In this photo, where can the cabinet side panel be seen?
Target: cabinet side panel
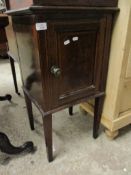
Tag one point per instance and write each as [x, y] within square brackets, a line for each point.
[26, 36]
[12, 44]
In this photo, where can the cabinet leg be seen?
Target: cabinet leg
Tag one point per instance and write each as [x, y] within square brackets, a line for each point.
[111, 134]
[97, 115]
[47, 124]
[71, 110]
[29, 110]
[14, 75]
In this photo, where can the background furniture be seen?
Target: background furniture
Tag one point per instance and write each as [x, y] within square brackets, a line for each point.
[5, 145]
[8, 148]
[117, 107]
[12, 52]
[3, 40]
[5, 46]
[63, 48]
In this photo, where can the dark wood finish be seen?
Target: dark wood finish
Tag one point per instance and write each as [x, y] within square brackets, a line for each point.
[14, 74]
[97, 115]
[3, 38]
[14, 4]
[7, 4]
[67, 62]
[47, 124]
[79, 56]
[30, 112]
[3, 23]
[71, 110]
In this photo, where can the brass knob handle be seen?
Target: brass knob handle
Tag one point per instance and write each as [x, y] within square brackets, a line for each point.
[56, 71]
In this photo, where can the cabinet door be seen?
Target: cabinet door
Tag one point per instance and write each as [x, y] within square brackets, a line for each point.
[75, 53]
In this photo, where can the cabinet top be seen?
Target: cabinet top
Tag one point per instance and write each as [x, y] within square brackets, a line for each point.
[17, 4]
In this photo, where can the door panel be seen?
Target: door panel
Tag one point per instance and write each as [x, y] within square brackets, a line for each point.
[75, 50]
[76, 71]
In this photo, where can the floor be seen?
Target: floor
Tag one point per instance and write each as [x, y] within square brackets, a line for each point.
[75, 151]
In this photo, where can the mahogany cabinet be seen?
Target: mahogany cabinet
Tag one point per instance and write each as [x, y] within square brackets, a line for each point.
[63, 55]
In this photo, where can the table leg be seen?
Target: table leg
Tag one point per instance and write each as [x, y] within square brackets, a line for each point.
[14, 74]
[97, 115]
[30, 112]
[71, 110]
[47, 124]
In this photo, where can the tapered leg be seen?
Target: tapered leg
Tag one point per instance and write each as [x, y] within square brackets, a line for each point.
[97, 115]
[30, 112]
[47, 123]
[14, 74]
[71, 110]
